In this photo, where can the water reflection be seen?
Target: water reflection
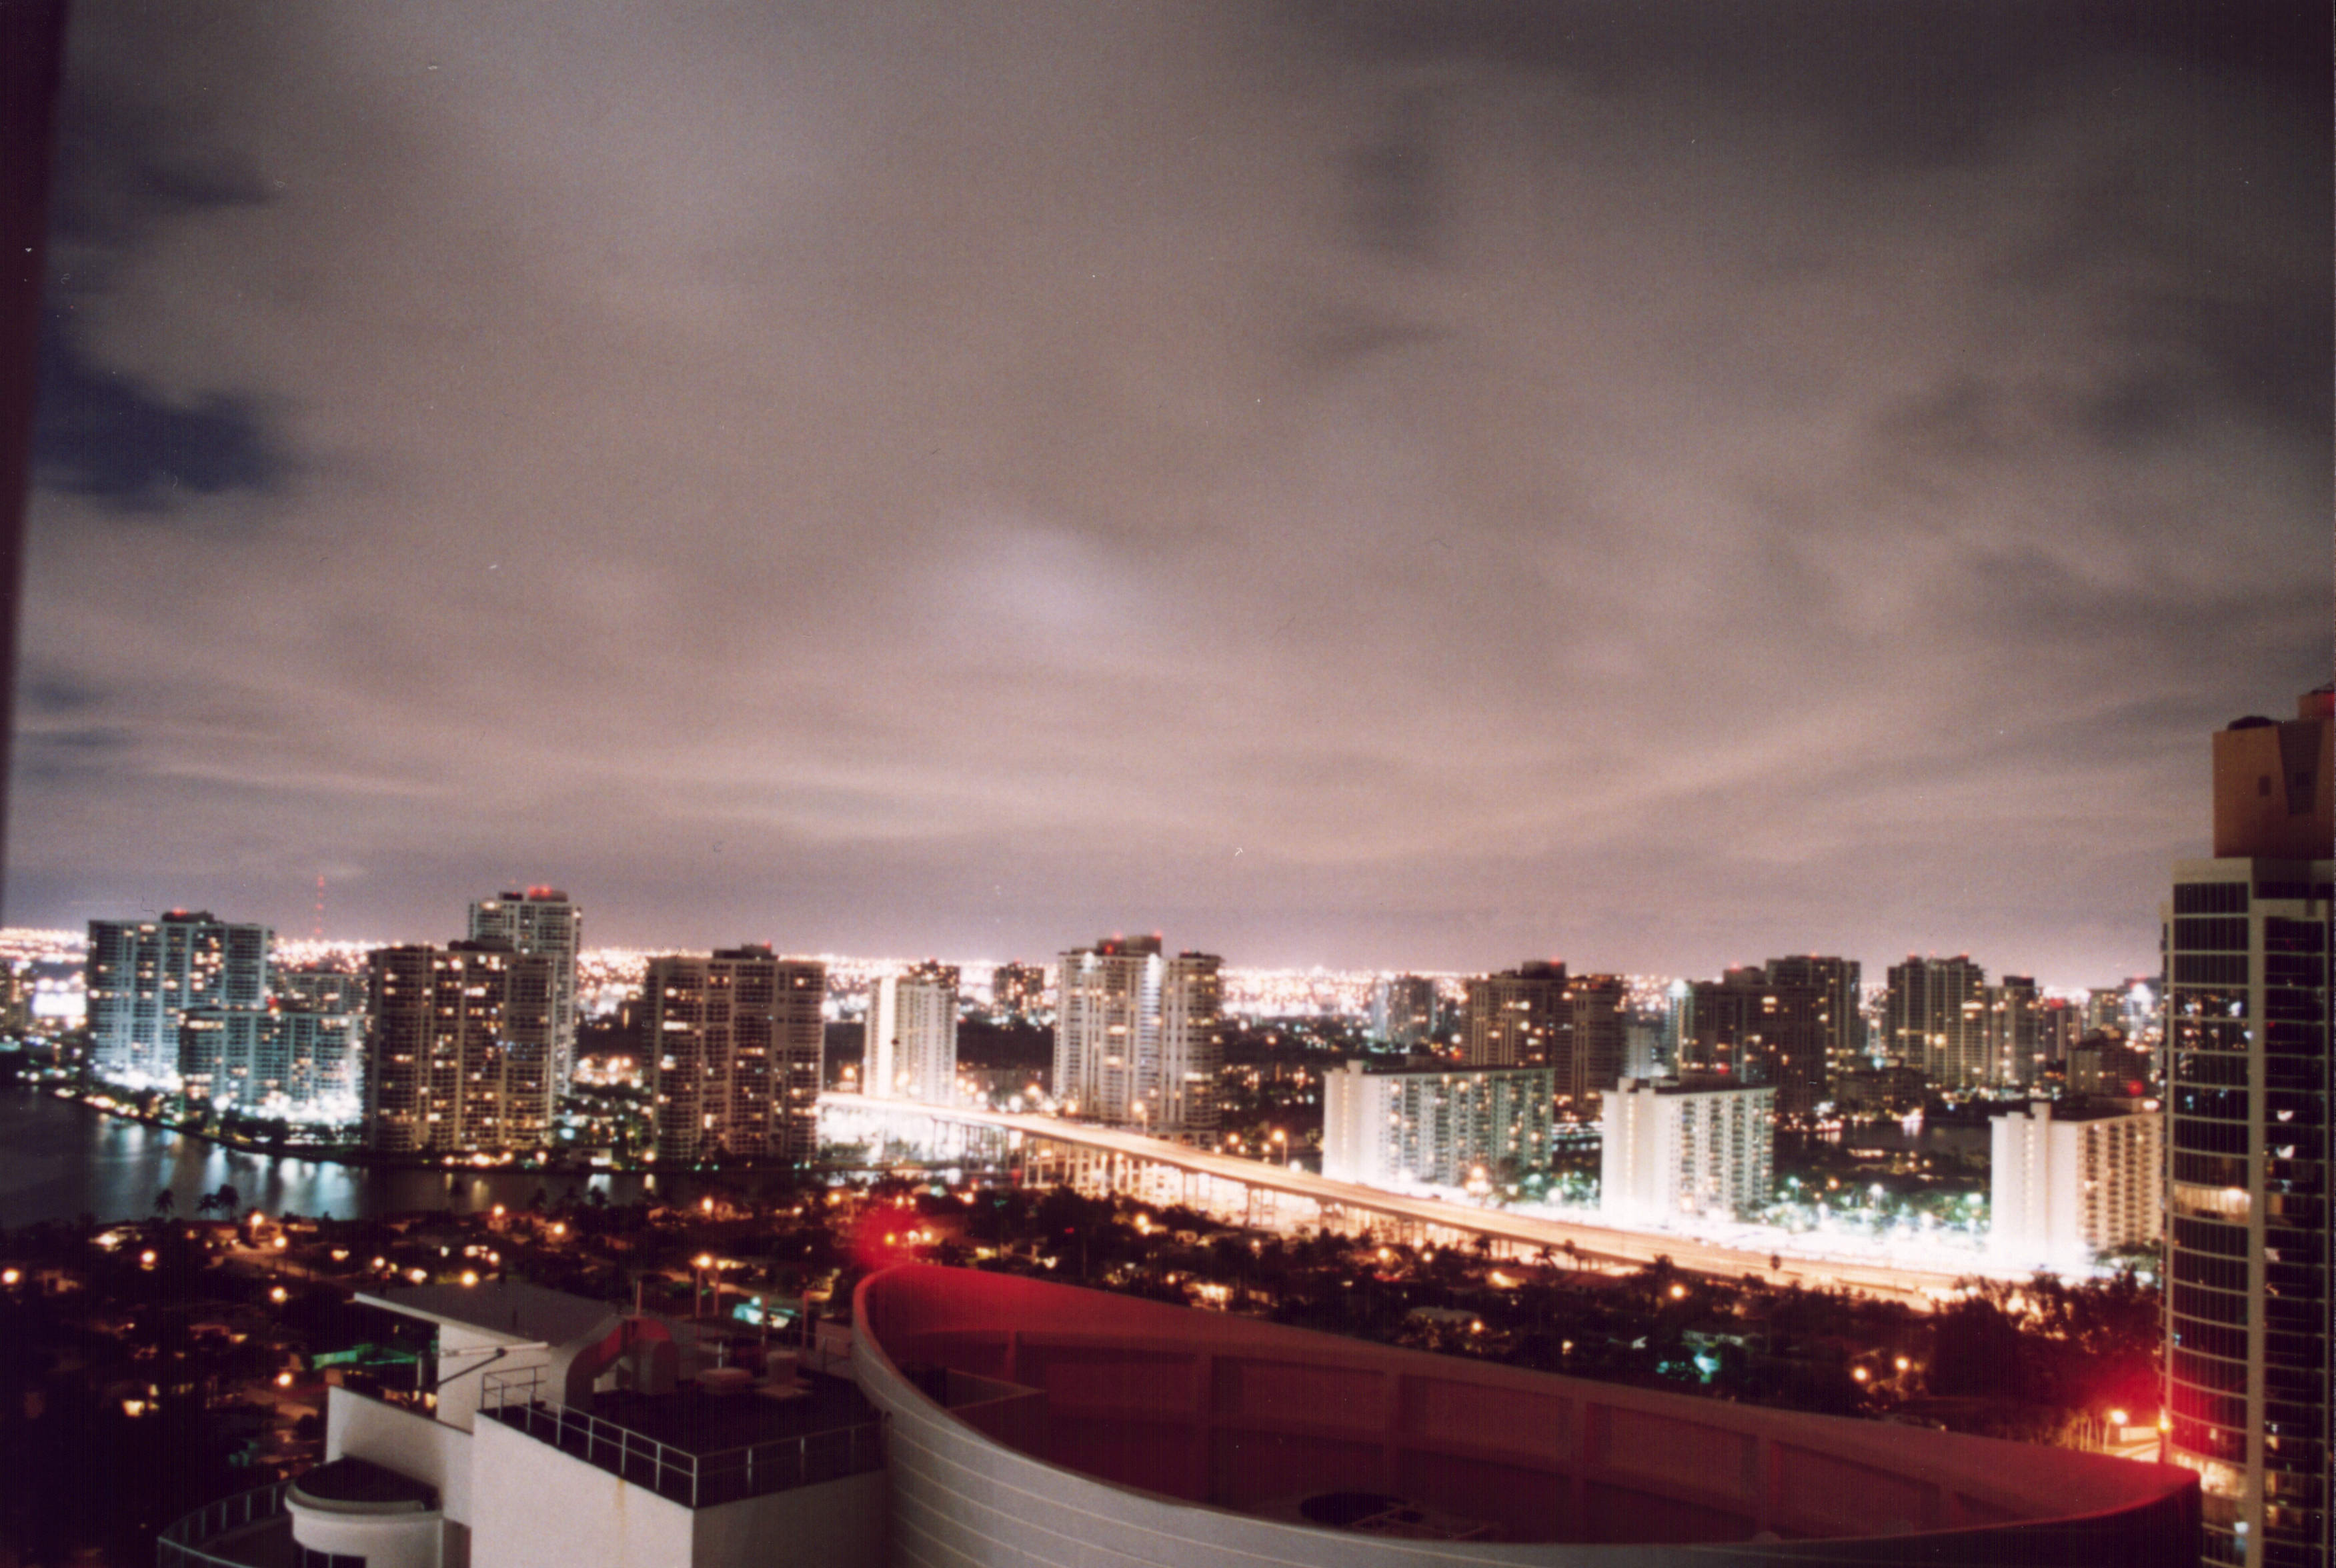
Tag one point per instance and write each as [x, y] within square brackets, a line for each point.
[59, 1160]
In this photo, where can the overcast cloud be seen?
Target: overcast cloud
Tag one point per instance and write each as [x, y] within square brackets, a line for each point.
[1402, 486]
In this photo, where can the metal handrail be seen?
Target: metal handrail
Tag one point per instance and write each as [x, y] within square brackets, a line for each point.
[178, 1548]
[696, 1480]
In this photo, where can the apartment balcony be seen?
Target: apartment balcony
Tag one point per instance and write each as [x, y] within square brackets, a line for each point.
[249, 1530]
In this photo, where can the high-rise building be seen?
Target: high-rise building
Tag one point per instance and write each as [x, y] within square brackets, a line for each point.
[1434, 1126]
[2059, 1024]
[1936, 1018]
[911, 1035]
[735, 1043]
[1018, 991]
[1764, 1033]
[2071, 1182]
[542, 922]
[295, 1060]
[1685, 1146]
[297, 1057]
[1139, 1037]
[1593, 1044]
[458, 1053]
[2104, 1066]
[1403, 1011]
[1837, 981]
[2249, 1347]
[1514, 1018]
[2013, 1053]
[141, 976]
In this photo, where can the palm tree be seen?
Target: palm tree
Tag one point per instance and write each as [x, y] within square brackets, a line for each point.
[166, 1204]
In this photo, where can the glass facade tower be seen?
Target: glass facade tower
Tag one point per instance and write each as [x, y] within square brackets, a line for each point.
[2248, 1289]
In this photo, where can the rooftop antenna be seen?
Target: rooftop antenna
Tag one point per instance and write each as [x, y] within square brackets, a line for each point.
[317, 931]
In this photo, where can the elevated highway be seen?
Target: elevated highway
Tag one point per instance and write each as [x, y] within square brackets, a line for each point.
[1097, 1159]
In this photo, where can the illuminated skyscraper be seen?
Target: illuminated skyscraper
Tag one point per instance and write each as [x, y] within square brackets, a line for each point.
[143, 976]
[912, 1038]
[1139, 1038]
[542, 922]
[1018, 991]
[1403, 1011]
[735, 1044]
[1514, 1018]
[458, 1054]
[1836, 980]
[1936, 1018]
[1764, 1033]
[1590, 1047]
[2248, 1341]
[2013, 1051]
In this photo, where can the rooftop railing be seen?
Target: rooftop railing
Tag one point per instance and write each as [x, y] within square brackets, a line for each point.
[520, 1398]
[197, 1540]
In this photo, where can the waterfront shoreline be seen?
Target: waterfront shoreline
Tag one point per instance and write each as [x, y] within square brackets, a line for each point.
[355, 1156]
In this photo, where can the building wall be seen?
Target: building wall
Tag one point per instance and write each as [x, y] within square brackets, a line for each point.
[1936, 1018]
[383, 1539]
[2272, 793]
[539, 1508]
[1403, 1011]
[837, 1525]
[1161, 1422]
[1513, 1018]
[405, 1441]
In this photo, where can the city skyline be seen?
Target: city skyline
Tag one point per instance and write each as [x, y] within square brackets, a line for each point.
[1387, 486]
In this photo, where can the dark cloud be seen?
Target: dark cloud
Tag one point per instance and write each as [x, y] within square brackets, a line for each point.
[1388, 483]
[101, 434]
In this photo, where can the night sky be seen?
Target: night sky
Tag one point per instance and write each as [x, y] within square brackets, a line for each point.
[1369, 484]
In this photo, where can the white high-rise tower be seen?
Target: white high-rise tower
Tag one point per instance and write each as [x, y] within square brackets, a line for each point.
[1138, 1038]
[911, 1044]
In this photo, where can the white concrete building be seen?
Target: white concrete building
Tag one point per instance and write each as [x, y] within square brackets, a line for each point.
[1673, 1147]
[2066, 1183]
[1406, 1127]
[1138, 1038]
[911, 1035]
[559, 1431]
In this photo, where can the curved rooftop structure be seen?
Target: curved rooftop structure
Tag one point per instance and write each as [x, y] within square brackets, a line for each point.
[1031, 1423]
